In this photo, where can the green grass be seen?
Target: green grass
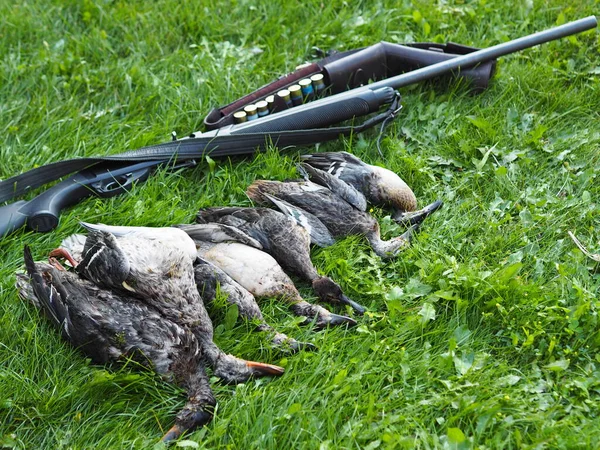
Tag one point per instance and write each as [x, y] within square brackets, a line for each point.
[484, 334]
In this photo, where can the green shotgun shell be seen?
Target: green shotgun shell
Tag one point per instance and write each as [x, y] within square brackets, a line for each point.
[263, 108]
[239, 117]
[296, 94]
[251, 112]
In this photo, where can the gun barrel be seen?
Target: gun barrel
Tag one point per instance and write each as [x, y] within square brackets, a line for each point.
[486, 54]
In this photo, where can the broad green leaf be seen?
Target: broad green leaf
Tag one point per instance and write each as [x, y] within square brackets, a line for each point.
[508, 380]
[186, 443]
[464, 362]
[231, 317]
[395, 293]
[294, 408]
[506, 273]
[341, 376]
[427, 312]
[526, 218]
[456, 436]
[373, 445]
[415, 288]
[558, 366]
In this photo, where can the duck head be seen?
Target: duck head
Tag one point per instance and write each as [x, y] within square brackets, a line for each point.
[188, 419]
[386, 187]
[329, 291]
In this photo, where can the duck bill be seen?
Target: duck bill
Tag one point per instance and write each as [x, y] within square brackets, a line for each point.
[355, 306]
[262, 369]
[417, 217]
[173, 434]
[335, 319]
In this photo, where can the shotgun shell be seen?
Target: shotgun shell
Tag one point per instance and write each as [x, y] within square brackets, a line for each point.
[270, 102]
[318, 83]
[295, 94]
[307, 89]
[303, 65]
[251, 112]
[263, 108]
[285, 95]
[239, 117]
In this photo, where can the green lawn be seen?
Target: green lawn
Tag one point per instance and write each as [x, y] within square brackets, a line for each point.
[484, 334]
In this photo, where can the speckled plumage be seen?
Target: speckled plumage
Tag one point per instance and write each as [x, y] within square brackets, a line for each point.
[110, 327]
[319, 234]
[340, 218]
[284, 240]
[161, 274]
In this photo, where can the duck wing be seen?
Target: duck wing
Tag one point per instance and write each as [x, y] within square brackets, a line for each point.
[342, 165]
[336, 185]
[44, 295]
[319, 234]
[232, 215]
[103, 261]
[105, 325]
[218, 232]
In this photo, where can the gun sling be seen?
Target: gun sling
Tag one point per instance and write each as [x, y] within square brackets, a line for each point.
[186, 149]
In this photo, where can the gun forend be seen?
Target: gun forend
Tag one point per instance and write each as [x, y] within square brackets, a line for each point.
[321, 113]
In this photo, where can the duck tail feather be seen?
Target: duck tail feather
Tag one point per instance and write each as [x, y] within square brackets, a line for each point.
[49, 297]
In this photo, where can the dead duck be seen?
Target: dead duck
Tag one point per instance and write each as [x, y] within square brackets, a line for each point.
[109, 327]
[210, 278]
[155, 265]
[379, 185]
[339, 216]
[284, 240]
[259, 273]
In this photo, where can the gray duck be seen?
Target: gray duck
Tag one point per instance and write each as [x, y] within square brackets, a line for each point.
[155, 265]
[257, 272]
[284, 240]
[114, 327]
[379, 185]
[210, 279]
[340, 217]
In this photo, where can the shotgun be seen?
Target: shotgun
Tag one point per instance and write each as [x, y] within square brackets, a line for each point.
[305, 124]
